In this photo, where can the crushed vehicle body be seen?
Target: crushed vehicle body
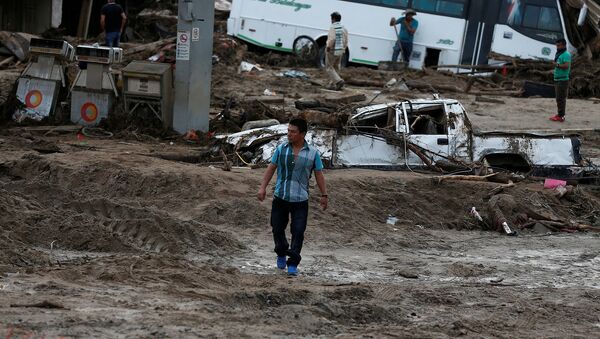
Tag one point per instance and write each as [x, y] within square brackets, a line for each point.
[424, 133]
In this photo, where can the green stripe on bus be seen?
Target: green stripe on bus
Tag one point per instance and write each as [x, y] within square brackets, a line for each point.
[368, 62]
[282, 49]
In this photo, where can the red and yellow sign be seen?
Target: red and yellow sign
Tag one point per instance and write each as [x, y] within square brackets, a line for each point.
[89, 112]
[33, 99]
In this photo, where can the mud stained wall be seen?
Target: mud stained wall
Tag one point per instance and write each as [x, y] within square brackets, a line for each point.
[30, 16]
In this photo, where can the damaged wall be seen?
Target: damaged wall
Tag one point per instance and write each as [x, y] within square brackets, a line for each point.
[30, 16]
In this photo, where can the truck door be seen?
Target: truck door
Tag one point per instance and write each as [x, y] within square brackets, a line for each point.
[428, 129]
[459, 132]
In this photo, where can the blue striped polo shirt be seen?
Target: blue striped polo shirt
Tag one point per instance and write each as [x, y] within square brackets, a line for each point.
[293, 174]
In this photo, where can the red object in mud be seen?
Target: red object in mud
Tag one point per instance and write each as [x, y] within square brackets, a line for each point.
[191, 136]
[80, 137]
[558, 118]
[553, 183]
[504, 71]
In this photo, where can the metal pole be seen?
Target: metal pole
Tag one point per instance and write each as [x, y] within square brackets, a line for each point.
[193, 65]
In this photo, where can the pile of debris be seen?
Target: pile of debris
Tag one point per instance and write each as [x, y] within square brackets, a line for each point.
[584, 75]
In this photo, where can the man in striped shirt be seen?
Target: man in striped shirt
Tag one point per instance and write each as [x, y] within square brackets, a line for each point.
[337, 41]
[294, 161]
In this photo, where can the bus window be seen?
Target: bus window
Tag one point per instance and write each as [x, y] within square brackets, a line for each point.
[538, 19]
[549, 20]
[531, 16]
[445, 7]
[395, 3]
[424, 5]
[386, 3]
[450, 8]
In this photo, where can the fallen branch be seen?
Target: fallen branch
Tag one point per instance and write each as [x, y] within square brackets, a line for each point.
[463, 177]
[413, 148]
[499, 189]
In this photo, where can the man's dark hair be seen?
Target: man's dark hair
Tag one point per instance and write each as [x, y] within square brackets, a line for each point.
[561, 41]
[336, 17]
[300, 123]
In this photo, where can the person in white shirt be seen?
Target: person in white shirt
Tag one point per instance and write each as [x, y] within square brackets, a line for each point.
[337, 41]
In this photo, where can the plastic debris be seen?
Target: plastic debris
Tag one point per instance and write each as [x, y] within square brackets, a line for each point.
[295, 74]
[248, 67]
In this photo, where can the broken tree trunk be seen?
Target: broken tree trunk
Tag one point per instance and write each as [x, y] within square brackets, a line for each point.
[464, 177]
[417, 151]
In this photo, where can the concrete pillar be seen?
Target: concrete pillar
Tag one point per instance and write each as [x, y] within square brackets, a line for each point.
[56, 13]
[194, 65]
[84, 18]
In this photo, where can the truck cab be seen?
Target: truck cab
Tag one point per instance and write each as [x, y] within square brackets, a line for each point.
[383, 135]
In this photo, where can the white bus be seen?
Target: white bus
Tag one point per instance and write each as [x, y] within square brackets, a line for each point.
[451, 32]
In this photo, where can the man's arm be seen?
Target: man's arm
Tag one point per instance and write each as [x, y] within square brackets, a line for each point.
[564, 65]
[123, 21]
[322, 187]
[409, 28]
[330, 39]
[262, 192]
[563, 62]
[102, 21]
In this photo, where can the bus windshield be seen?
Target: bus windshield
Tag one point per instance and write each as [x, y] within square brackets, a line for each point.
[538, 19]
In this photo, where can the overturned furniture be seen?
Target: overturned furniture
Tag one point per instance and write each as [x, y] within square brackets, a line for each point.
[149, 84]
[94, 90]
[41, 83]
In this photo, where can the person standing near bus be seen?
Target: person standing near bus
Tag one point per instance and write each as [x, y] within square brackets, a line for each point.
[408, 28]
[112, 22]
[562, 69]
[295, 161]
[337, 41]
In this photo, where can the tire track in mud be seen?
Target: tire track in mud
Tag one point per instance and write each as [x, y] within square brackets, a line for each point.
[83, 209]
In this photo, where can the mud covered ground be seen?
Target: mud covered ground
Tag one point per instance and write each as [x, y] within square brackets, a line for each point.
[106, 238]
[121, 243]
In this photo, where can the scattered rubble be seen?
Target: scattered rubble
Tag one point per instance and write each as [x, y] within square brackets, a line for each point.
[133, 218]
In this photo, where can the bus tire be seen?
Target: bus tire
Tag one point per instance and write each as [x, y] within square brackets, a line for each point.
[305, 48]
[321, 59]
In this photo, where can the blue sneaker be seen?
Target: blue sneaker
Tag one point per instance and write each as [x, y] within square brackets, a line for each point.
[293, 270]
[281, 262]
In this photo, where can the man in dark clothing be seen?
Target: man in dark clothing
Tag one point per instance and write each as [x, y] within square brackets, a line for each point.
[562, 69]
[112, 21]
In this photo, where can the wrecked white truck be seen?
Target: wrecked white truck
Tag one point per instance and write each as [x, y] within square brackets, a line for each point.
[422, 133]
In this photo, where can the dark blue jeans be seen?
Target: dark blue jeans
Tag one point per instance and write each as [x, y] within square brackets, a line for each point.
[112, 39]
[405, 47]
[280, 216]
